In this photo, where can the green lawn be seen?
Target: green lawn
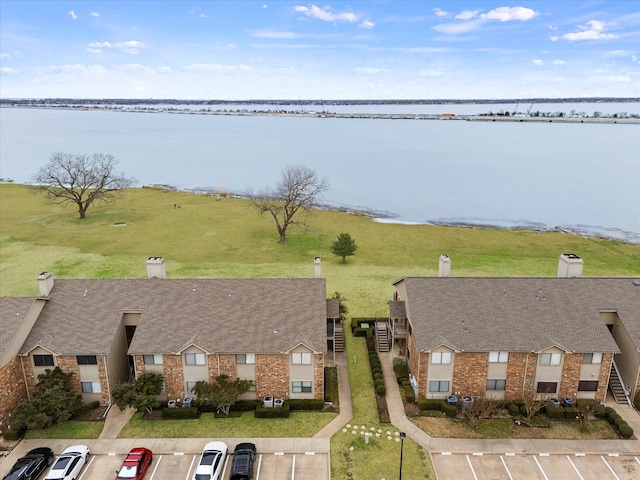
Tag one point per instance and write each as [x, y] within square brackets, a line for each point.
[299, 424]
[210, 237]
[70, 429]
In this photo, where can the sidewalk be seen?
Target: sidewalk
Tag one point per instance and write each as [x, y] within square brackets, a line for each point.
[344, 391]
[534, 446]
[115, 421]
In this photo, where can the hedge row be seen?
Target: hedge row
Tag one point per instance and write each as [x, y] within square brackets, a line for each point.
[180, 413]
[438, 405]
[272, 412]
[376, 373]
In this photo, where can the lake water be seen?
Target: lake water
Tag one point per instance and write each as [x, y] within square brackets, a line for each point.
[582, 177]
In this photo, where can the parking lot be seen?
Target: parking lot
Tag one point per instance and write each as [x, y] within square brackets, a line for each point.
[543, 466]
[277, 459]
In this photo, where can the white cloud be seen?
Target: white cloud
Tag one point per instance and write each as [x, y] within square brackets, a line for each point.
[72, 14]
[265, 5]
[134, 69]
[369, 70]
[431, 72]
[95, 14]
[216, 68]
[553, 38]
[608, 78]
[467, 15]
[165, 70]
[559, 62]
[4, 56]
[285, 70]
[94, 51]
[8, 71]
[131, 47]
[76, 68]
[592, 30]
[616, 54]
[368, 24]
[458, 27]
[537, 61]
[506, 14]
[326, 14]
[202, 15]
[273, 34]
[440, 13]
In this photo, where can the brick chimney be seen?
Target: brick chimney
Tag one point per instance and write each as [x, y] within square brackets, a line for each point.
[317, 267]
[570, 265]
[444, 266]
[45, 284]
[156, 268]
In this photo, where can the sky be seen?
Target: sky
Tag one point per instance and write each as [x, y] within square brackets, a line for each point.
[241, 50]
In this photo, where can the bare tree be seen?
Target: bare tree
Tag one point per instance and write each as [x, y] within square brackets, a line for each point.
[587, 408]
[532, 404]
[81, 179]
[296, 192]
[481, 409]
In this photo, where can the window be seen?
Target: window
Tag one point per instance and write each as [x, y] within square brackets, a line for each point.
[90, 387]
[43, 360]
[87, 360]
[155, 359]
[547, 387]
[592, 358]
[439, 386]
[246, 358]
[300, 387]
[194, 359]
[550, 358]
[190, 386]
[301, 358]
[588, 386]
[498, 357]
[496, 384]
[441, 357]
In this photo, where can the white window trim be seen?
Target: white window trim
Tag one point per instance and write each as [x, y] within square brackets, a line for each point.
[441, 358]
[156, 357]
[498, 357]
[554, 359]
[440, 382]
[301, 358]
[196, 357]
[249, 358]
[596, 358]
[95, 387]
[302, 385]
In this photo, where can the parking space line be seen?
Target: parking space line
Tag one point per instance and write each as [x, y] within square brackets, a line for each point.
[609, 467]
[505, 467]
[190, 467]
[471, 467]
[540, 467]
[259, 465]
[637, 459]
[226, 462]
[157, 463]
[574, 467]
[293, 468]
[86, 467]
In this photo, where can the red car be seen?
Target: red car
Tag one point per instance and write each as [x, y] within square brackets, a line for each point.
[135, 465]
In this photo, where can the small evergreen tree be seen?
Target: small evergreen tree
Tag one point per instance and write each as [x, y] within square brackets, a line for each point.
[344, 246]
[141, 394]
[221, 394]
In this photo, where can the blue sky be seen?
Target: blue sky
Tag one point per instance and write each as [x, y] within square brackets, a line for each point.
[331, 50]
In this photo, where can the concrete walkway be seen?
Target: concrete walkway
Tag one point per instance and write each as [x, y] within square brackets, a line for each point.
[534, 446]
[344, 391]
[115, 421]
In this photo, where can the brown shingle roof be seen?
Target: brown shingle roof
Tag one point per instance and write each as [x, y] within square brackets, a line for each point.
[218, 315]
[520, 314]
[12, 312]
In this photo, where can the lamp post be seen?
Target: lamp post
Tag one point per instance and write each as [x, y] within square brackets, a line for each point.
[403, 435]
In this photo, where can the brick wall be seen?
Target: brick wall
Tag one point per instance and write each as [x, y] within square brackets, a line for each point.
[173, 376]
[105, 388]
[470, 373]
[69, 364]
[228, 366]
[13, 390]
[420, 372]
[571, 366]
[318, 376]
[516, 374]
[603, 381]
[272, 375]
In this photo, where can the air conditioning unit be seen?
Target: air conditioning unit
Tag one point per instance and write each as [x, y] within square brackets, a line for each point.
[267, 402]
[278, 402]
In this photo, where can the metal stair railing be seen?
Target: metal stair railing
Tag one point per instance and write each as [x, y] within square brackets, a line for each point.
[619, 377]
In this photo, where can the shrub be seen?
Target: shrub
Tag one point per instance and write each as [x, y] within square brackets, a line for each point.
[514, 410]
[86, 407]
[376, 370]
[620, 422]
[408, 392]
[613, 417]
[271, 412]
[450, 411]
[378, 382]
[375, 364]
[571, 413]
[430, 404]
[523, 410]
[556, 413]
[360, 332]
[11, 435]
[245, 405]
[626, 431]
[180, 413]
[636, 400]
[305, 404]
[377, 376]
[381, 390]
[402, 372]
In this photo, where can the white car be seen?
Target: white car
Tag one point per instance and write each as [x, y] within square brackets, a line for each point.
[68, 465]
[211, 461]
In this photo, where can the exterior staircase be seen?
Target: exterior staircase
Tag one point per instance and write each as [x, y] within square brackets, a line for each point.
[382, 337]
[338, 339]
[617, 386]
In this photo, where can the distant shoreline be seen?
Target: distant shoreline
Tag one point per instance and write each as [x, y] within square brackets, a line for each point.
[486, 117]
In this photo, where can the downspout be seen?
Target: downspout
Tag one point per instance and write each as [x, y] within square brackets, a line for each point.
[334, 341]
[24, 375]
[219, 371]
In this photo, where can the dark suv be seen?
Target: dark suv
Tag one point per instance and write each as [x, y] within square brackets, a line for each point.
[243, 458]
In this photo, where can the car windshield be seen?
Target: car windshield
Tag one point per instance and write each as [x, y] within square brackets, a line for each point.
[127, 471]
[200, 476]
[61, 463]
